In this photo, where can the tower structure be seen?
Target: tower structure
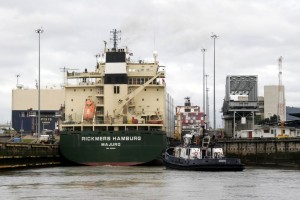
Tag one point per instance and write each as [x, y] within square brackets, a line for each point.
[281, 97]
[240, 103]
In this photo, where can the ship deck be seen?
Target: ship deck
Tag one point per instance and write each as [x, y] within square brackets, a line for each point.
[111, 127]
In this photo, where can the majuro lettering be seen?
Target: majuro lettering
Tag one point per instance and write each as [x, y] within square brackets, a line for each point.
[110, 144]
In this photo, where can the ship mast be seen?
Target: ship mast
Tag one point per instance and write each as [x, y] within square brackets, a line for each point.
[115, 37]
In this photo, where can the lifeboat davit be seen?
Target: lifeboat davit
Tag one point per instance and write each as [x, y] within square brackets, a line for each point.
[89, 110]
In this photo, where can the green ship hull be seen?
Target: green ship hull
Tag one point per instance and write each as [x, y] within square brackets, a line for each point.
[116, 148]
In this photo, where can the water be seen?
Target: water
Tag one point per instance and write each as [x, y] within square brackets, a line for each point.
[148, 183]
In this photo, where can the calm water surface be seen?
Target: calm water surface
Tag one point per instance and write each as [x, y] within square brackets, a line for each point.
[148, 183]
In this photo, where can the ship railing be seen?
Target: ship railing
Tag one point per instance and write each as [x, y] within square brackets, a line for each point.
[159, 81]
[87, 83]
[83, 74]
[81, 83]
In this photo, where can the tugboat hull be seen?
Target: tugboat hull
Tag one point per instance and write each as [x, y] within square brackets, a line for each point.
[205, 164]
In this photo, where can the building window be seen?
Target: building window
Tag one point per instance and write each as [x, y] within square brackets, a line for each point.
[157, 99]
[116, 89]
[74, 90]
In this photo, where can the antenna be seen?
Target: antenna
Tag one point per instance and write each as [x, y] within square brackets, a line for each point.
[115, 37]
[18, 86]
[104, 45]
[280, 70]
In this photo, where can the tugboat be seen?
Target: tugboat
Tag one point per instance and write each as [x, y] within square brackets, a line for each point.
[205, 156]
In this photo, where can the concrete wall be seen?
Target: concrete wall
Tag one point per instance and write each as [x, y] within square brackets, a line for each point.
[271, 151]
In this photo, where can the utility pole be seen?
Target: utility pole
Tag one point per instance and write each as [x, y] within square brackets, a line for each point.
[204, 113]
[214, 37]
[39, 31]
[281, 110]
[207, 104]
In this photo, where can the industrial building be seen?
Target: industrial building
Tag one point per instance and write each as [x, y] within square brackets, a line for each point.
[272, 103]
[240, 103]
[25, 109]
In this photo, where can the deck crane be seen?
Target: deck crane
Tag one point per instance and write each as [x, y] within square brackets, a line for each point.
[127, 98]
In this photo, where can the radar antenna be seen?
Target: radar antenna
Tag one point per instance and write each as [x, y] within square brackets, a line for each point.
[115, 37]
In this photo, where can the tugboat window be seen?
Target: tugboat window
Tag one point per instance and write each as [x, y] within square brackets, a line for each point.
[188, 152]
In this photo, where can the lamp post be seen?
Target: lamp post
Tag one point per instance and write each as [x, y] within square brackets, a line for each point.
[39, 31]
[207, 104]
[214, 37]
[204, 113]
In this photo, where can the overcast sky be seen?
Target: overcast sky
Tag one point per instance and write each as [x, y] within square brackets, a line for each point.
[252, 36]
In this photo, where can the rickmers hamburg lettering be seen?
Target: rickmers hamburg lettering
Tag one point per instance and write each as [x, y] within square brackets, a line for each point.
[110, 141]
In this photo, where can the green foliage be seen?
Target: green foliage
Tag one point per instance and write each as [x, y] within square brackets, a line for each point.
[269, 121]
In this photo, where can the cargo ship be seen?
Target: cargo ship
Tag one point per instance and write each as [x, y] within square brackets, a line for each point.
[189, 119]
[115, 115]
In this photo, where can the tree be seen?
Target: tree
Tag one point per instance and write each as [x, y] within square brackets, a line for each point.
[273, 120]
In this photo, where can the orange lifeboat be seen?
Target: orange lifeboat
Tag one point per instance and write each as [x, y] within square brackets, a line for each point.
[155, 121]
[89, 110]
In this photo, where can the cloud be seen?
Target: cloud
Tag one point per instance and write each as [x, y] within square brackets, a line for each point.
[252, 36]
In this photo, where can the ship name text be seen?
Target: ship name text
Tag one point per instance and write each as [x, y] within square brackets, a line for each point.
[110, 142]
[111, 138]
